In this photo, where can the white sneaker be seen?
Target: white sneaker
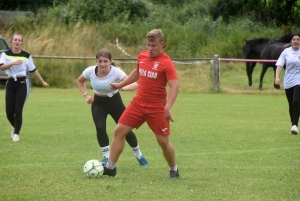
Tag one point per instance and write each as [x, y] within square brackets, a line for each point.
[16, 138]
[12, 132]
[294, 130]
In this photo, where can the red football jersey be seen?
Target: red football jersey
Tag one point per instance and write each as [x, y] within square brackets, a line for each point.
[154, 74]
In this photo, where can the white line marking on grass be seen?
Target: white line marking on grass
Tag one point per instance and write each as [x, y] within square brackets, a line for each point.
[239, 152]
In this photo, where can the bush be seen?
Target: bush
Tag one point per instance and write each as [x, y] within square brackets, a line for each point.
[71, 30]
[100, 11]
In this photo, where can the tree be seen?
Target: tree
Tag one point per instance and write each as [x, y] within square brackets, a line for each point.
[284, 12]
[173, 3]
[278, 12]
[28, 5]
[233, 8]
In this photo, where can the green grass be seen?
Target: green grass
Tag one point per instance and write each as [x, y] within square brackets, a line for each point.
[229, 146]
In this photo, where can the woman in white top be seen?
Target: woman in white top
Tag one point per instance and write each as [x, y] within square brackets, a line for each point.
[291, 58]
[107, 101]
[16, 62]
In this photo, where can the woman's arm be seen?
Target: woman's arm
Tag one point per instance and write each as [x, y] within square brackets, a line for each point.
[37, 74]
[82, 87]
[8, 65]
[277, 78]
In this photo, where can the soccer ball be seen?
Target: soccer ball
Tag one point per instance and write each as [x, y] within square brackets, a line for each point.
[93, 168]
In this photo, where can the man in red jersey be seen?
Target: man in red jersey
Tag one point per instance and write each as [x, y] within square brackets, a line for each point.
[154, 71]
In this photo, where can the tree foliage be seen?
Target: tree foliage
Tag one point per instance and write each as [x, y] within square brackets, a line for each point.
[266, 12]
[284, 12]
[278, 12]
[101, 11]
[87, 10]
[28, 5]
[173, 3]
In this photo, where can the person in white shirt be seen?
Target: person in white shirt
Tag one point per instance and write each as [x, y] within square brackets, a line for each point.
[107, 101]
[291, 58]
[16, 63]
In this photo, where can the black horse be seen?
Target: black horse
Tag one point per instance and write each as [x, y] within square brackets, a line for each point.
[264, 48]
[272, 51]
[252, 50]
[284, 39]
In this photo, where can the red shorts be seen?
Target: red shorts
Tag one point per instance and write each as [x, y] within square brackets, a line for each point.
[153, 113]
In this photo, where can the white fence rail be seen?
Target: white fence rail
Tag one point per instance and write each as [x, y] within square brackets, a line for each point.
[215, 61]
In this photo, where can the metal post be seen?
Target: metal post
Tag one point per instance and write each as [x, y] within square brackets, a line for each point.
[216, 72]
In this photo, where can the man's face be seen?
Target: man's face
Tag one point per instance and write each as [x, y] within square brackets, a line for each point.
[154, 47]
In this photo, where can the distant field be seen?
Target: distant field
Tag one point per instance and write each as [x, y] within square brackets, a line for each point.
[198, 76]
[193, 76]
[229, 146]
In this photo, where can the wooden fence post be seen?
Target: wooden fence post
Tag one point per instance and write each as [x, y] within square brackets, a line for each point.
[216, 72]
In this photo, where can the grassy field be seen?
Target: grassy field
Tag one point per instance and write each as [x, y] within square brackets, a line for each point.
[229, 146]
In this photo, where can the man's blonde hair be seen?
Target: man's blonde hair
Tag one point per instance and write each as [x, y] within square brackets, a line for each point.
[155, 34]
